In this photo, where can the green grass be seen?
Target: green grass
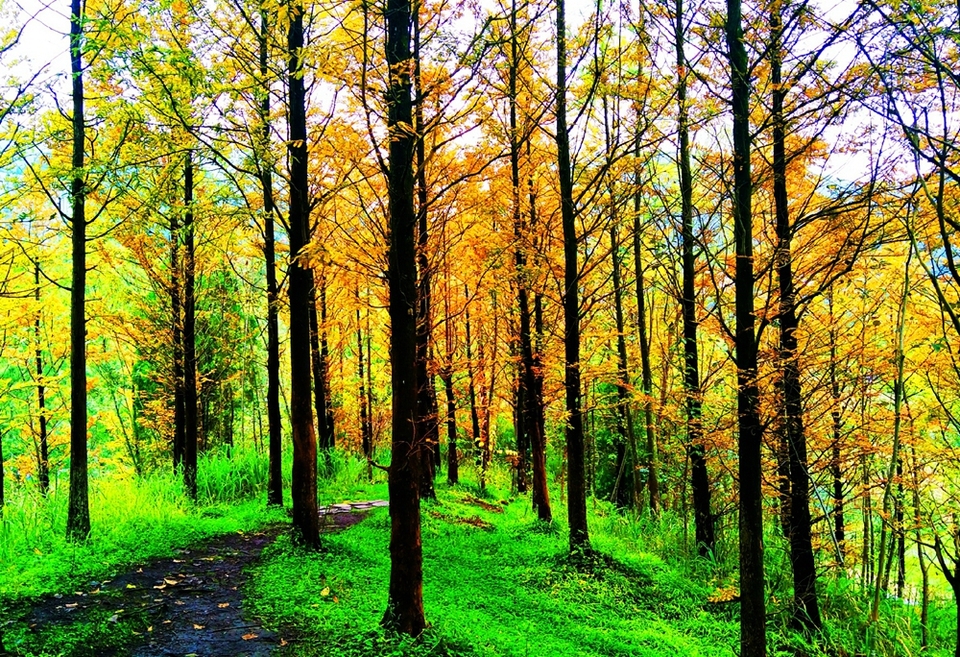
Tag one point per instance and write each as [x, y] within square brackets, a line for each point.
[496, 584]
[132, 520]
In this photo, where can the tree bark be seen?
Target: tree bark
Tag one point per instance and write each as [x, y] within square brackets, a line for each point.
[189, 336]
[806, 610]
[646, 374]
[404, 611]
[43, 461]
[446, 374]
[319, 364]
[576, 481]
[366, 437]
[700, 479]
[626, 488]
[753, 638]
[78, 511]
[274, 426]
[176, 305]
[304, 490]
[472, 391]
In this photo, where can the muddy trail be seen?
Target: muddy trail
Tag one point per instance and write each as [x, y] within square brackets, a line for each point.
[188, 604]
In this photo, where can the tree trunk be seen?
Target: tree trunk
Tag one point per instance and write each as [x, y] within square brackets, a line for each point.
[753, 638]
[646, 374]
[304, 489]
[78, 512]
[176, 305]
[321, 374]
[453, 462]
[404, 611]
[427, 413]
[700, 479]
[626, 488]
[43, 461]
[190, 418]
[274, 426]
[472, 392]
[366, 439]
[836, 470]
[576, 481]
[806, 611]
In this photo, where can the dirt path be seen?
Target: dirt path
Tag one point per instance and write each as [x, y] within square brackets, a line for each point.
[190, 604]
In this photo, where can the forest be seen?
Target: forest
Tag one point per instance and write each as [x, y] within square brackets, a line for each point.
[479, 328]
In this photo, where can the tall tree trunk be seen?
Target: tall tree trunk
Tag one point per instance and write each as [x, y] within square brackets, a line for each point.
[806, 611]
[78, 511]
[488, 394]
[898, 396]
[404, 611]
[646, 374]
[176, 305]
[427, 414]
[700, 479]
[43, 461]
[190, 418]
[304, 490]
[274, 426]
[626, 489]
[753, 637]
[576, 481]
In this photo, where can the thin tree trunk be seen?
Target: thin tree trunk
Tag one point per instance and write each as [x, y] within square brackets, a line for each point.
[576, 481]
[304, 489]
[472, 392]
[646, 374]
[319, 363]
[753, 638]
[836, 470]
[446, 374]
[78, 512]
[404, 611]
[190, 418]
[274, 426]
[880, 582]
[366, 439]
[43, 462]
[806, 612]
[176, 305]
[700, 479]
[626, 490]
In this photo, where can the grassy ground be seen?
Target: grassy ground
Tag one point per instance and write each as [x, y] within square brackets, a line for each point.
[497, 583]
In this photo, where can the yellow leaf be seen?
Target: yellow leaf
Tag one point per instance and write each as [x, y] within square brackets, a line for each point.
[198, 627]
[223, 605]
[325, 592]
[248, 637]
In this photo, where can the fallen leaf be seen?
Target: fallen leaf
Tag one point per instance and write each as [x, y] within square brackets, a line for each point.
[70, 605]
[131, 586]
[325, 592]
[223, 605]
[113, 619]
[171, 582]
[283, 642]
[150, 628]
[248, 637]
[335, 599]
[167, 622]
[160, 587]
[198, 627]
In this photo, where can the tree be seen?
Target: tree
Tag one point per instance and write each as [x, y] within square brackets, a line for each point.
[304, 490]
[404, 611]
[78, 511]
[753, 632]
[576, 482]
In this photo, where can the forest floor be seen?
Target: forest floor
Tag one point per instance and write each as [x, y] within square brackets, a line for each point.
[189, 604]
